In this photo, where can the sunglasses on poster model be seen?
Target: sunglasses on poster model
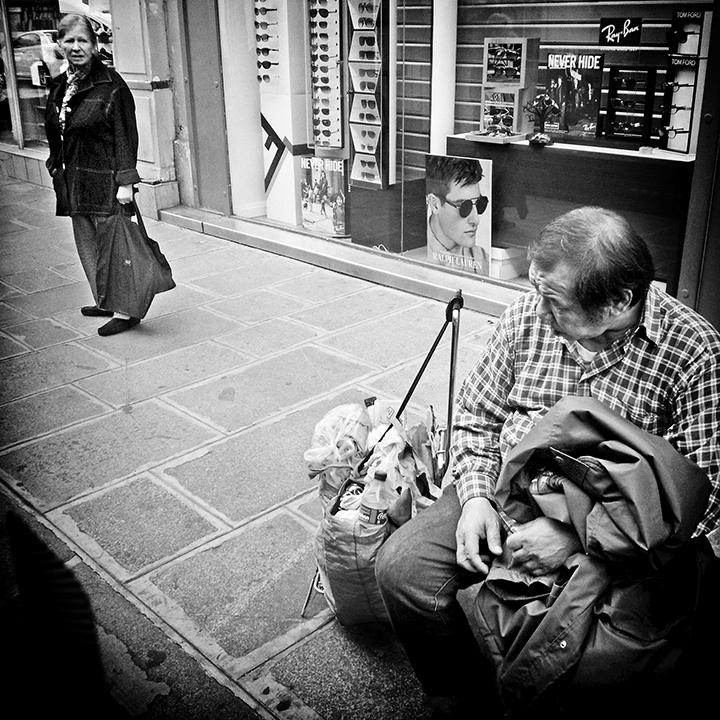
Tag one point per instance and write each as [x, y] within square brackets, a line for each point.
[466, 206]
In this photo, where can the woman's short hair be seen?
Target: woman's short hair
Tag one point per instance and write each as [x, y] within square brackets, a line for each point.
[607, 256]
[73, 20]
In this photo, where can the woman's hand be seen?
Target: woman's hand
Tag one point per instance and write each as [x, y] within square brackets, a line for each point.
[124, 194]
[477, 532]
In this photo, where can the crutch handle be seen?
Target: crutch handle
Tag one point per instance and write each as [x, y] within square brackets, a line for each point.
[456, 302]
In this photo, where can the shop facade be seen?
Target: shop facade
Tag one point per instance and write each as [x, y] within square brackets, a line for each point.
[313, 128]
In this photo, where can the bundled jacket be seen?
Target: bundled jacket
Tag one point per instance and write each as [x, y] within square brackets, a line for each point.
[98, 150]
[625, 606]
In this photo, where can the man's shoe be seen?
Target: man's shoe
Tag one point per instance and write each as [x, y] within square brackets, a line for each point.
[93, 311]
[117, 325]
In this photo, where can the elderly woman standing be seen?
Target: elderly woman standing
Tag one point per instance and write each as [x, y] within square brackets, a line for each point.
[92, 134]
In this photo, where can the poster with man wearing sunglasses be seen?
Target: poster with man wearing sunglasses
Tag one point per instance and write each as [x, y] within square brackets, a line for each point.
[458, 195]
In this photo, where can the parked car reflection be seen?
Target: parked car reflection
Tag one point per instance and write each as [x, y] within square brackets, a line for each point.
[33, 46]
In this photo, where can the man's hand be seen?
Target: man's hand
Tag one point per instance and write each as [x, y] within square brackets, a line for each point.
[542, 545]
[124, 194]
[478, 530]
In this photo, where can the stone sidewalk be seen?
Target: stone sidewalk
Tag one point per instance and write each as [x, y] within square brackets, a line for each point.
[168, 460]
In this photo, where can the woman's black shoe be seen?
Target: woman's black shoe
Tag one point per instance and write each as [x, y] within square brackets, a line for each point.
[117, 325]
[92, 311]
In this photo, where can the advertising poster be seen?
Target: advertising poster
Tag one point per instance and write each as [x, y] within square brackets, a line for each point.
[574, 82]
[459, 203]
[323, 195]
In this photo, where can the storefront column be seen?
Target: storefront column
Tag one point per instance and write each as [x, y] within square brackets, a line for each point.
[283, 105]
[140, 53]
[442, 81]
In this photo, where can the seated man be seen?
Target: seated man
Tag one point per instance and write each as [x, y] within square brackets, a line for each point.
[593, 326]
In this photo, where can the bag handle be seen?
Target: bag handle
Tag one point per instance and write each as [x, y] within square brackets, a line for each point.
[139, 217]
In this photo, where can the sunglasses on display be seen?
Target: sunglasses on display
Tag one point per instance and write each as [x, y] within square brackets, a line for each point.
[367, 117]
[319, 23]
[675, 85]
[671, 132]
[367, 54]
[679, 36]
[265, 38]
[266, 64]
[368, 176]
[322, 12]
[626, 126]
[367, 103]
[507, 71]
[264, 25]
[264, 10]
[367, 72]
[366, 22]
[626, 83]
[620, 103]
[265, 51]
[366, 40]
[267, 78]
[322, 121]
[506, 120]
[672, 109]
[466, 206]
[324, 58]
[367, 163]
[364, 85]
[322, 36]
[368, 133]
[366, 7]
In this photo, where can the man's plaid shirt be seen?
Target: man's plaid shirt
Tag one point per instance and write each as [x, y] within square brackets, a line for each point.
[664, 376]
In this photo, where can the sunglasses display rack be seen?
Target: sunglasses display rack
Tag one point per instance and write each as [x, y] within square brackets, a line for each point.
[266, 39]
[326, 80]
[687, 52]
[368, 77]
[631, 113]
[509, 80]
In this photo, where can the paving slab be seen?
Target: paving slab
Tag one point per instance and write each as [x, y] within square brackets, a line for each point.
[248, 277]
[47, 368]
[48, 302]
[39, 414]
[181, 297]
[10, 347]
[11, 316]
[226, 475]
[248, 589]
[42, 333]
[55, 469]
[270, 337]
[257, 305]
[149, 378]
[36, 279]
[359, 672]
[138, 523]
[253, 393]
[227, 257]
[7, 291]
[23, 256]
[164, 334]
[322, 286]
[356, 308]
[391, 339]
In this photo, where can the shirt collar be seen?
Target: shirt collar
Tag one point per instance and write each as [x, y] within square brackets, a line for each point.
[650, 326]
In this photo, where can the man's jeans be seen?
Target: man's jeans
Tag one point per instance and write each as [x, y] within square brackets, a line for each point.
[419, 579]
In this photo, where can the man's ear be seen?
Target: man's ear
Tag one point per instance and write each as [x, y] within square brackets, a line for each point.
[623, 304]
[433, 202]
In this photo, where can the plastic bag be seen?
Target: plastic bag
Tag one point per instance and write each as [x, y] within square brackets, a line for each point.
[339, 443]
[131, 268]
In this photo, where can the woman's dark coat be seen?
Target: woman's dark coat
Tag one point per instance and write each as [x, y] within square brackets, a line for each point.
[98, 151]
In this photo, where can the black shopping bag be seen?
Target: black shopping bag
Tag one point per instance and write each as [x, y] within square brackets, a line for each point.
[131, 268]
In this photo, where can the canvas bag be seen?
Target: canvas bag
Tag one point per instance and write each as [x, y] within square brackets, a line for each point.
[131, 268]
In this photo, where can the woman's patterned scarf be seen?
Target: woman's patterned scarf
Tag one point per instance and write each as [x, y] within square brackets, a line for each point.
[74, 78]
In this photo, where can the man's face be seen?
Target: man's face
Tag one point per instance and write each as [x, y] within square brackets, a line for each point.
[461, 230]
[557, 306]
